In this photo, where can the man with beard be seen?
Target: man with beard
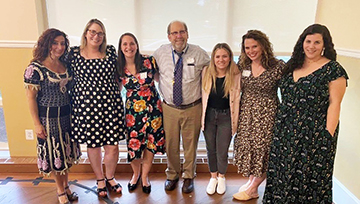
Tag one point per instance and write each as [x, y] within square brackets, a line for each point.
[180, 65]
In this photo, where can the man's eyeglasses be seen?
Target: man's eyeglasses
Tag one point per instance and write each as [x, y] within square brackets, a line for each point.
[93, 33]
[175, 33]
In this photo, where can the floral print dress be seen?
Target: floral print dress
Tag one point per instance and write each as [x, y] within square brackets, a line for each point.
[303, 151]
[57, 152]
[143, 111]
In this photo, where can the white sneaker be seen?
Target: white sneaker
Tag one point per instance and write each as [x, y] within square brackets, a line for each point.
[210, 189]
[221, 187]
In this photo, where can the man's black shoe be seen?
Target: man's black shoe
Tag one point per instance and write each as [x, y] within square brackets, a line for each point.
[188, 185]
[170, 184]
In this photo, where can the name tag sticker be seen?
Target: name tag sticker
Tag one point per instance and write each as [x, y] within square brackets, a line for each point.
[143, 75]
[246, 73]
[190, 60]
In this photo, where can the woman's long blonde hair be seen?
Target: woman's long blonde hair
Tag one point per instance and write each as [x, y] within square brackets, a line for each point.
[209, 80]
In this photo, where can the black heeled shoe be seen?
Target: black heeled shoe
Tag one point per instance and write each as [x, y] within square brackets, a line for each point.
[73, 196]
[100, 190]
[132, 187]
[146, 189]
[115, 187]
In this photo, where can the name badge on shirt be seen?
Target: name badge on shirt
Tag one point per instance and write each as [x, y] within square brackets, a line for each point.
[246, 73]
[190, 61]
[143, 75]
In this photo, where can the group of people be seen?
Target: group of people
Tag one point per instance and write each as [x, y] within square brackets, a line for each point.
[74, 97]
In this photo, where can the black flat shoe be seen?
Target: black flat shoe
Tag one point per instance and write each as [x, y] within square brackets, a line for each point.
[132, 187]
[115, 187]
[146, 189]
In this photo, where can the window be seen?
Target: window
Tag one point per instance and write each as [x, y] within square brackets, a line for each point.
[208, 21]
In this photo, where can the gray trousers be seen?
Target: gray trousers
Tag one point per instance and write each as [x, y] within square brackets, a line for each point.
[218, 136]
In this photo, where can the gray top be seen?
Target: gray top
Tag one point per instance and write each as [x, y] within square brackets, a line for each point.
[194, 59]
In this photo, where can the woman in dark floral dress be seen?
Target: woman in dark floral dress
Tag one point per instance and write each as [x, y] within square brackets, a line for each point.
[47, 82]
[145, 133]
[307, 123]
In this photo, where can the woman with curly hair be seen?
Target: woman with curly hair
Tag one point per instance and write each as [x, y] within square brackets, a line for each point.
[307, 122]
[48, 81]
[261, 72]
[144, 125]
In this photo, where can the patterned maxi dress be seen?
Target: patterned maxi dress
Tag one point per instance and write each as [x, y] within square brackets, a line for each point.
[258, 105]
[57, 152]
[98, 112]
[143, 112]
[302, 153]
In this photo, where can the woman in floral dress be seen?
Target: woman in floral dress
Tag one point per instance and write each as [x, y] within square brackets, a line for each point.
[143, 110]
[307, 123]
[48, 81]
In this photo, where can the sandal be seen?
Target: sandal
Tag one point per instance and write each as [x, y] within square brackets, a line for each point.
[115, 187]
[100, 190]
[72, 196]
[66, 201]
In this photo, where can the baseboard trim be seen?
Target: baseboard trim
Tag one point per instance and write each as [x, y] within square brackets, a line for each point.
[341, 195]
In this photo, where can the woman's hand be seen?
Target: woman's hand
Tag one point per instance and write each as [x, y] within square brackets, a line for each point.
[40, 132]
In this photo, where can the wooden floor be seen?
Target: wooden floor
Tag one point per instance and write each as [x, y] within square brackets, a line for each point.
[32, 188]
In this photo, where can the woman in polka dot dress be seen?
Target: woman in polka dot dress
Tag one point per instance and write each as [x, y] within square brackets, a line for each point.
[98, 112]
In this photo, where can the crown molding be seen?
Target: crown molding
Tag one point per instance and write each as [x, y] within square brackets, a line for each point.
[348, 52]
[17, 44]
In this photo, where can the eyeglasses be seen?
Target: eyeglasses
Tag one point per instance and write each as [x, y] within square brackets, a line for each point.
[175, 33]
[93, 33]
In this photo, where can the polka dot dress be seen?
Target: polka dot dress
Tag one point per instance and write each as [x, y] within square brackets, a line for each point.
[97, 107]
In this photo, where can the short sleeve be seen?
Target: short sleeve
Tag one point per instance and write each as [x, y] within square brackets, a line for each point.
[336, 71]
[204, 58]
[111, 51]
[32, 77]
[73, 54]
[156, 53]
[153, 64]
[279, 69]
[149, 64]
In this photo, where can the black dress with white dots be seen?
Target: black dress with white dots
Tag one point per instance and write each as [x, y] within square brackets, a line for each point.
[97, 107]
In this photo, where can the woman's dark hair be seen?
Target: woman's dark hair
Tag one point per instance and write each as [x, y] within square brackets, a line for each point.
[44, 43]
[121, 58]
[268, 59]
[298, 56]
